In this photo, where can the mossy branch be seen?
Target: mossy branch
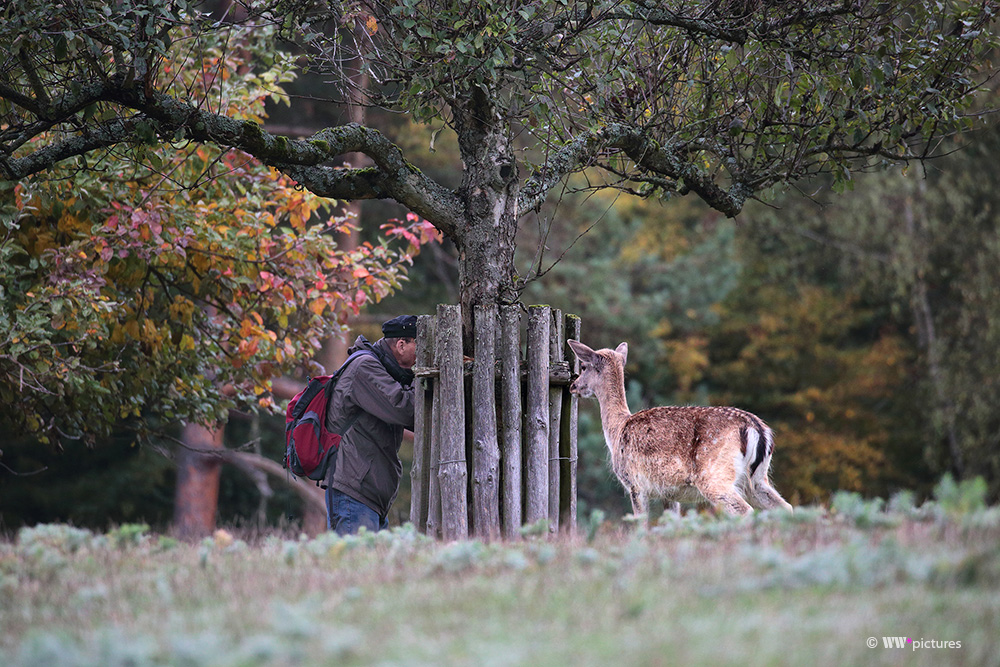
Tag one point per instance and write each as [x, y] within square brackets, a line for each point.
[305, 160]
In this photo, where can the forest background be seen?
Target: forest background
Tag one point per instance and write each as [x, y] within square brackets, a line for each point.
[861, 324]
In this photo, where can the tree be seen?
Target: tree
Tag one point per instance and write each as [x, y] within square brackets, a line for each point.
[932, 253]
[720, 99]
[167, 282]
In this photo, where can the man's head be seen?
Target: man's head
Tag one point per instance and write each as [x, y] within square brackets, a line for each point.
[401, 337]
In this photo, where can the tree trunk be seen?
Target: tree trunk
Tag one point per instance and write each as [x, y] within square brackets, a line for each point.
[489, 192]
[915, 223]
[197, 491]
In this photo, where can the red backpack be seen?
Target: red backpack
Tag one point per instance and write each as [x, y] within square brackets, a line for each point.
[309, 448]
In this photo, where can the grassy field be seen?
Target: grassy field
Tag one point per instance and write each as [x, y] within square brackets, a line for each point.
[811, 588]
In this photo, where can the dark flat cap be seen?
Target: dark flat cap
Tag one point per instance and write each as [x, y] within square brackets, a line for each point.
[404, 326]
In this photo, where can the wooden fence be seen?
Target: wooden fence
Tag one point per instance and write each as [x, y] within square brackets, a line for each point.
[495, 436]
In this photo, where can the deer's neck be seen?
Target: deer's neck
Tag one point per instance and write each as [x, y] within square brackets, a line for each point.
[614, 412]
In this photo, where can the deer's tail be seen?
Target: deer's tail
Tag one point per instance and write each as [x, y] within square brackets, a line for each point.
[758, 443]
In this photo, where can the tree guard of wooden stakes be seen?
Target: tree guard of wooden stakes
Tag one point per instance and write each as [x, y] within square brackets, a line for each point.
[495, 436]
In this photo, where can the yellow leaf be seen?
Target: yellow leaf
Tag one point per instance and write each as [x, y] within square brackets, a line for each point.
[318, 306]
[132, 329]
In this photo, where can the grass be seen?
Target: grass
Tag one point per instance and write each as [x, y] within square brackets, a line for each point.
[772, 589]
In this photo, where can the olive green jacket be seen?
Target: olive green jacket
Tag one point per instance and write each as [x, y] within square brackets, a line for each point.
[367, 466]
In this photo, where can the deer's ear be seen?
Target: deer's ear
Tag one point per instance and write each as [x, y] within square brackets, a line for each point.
[623, 350]
[582, 352]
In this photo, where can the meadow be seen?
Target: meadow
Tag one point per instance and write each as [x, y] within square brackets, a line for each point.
[819, 586]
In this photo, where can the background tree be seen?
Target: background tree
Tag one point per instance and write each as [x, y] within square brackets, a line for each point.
[930, 256]
[723, 100]
[637, 271]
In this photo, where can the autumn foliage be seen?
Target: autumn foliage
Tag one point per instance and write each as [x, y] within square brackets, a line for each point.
[171, 281]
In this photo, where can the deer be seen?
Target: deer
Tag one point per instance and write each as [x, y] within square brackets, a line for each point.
[678, 453]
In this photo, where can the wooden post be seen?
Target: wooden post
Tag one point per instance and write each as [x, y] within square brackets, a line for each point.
[485, 446]
[434, 459]
[510, 410]
[453, 472]
[422, 418]
[556, 344]
[537, 414]
[568, 450]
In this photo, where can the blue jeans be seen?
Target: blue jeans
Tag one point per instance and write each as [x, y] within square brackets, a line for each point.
[346, 515]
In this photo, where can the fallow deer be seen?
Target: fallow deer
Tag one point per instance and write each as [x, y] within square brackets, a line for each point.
[684, 454]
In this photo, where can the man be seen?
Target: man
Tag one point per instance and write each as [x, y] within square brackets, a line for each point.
[374, 400]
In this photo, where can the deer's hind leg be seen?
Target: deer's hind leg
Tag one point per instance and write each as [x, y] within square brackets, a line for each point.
[730, 501]
[640, 504]
[767, 497]
[760, 491]
[722, 491]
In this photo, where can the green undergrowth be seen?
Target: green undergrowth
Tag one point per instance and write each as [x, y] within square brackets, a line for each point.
[815, 586]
